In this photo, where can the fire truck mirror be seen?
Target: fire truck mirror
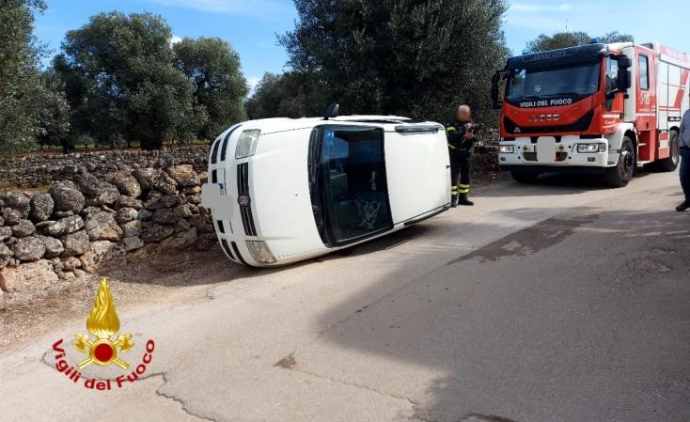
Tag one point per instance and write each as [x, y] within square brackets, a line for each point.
[498, 89]
[624, 80]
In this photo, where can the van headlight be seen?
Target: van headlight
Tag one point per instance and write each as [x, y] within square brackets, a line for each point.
[506, 149]
[591, 148]
[260, 251]
[246, 145]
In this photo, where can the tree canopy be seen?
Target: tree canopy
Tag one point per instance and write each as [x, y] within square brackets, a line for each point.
[219, 88]
[20, 84]
[571, 39]
[410, 57]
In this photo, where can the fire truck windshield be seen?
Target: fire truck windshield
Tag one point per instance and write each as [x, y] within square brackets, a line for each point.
[527, 86]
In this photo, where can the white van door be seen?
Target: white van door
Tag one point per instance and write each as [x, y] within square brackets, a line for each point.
[418, 169]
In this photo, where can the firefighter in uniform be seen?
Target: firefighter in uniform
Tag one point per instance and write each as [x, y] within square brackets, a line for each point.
[460, 142]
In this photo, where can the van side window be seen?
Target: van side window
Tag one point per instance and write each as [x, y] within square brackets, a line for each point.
[644, 73]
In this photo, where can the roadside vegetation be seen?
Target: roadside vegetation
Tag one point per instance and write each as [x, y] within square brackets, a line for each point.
[120, 81]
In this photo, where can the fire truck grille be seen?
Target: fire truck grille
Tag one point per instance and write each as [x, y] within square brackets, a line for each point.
[244, 199]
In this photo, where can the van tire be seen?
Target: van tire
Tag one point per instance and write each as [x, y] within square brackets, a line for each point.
[671, 163]
[525, 176]
[620, 175]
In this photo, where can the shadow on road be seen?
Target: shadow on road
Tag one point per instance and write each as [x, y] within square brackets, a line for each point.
[576, 318]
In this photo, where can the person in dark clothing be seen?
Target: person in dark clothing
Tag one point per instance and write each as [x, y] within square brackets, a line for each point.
[460, 142]
[684, 143]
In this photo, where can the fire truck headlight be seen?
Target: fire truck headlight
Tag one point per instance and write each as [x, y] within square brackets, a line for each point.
[260, 251]
[591, 148]
[506, 149]
[246, 145]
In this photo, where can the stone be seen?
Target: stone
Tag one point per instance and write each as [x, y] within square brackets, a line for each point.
[202, 223]
[194, 199]
[72, 224]
[181, 241]
[169, 201]
[184, 175]
[67, 197]
[23, 228]
[166, 184]
[52, 228]
[6, 255]
[11, 216]
[152, 232]
[108, 194]
[71, 263]
[126, 184]
[102, 226]
[147, 178]
[42, 206]
[131, 229]
[75, 244]
[193, 190]
[129, 202]
[100, 251]
[132, 243]
[32, 276]
[63, 214]
[2, 221]
[164, 216]
[183, 211]
[89, 184]
[18, 202]
[28, 249]
[182, 225]
[125, 215]
[145, 215]
[5, 233]
[54, 247]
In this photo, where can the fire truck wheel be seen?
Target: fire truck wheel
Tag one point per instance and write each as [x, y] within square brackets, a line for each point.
[525, 176]
[619, 176]
[671, 163]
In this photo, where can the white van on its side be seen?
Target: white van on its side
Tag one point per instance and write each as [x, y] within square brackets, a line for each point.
[284, 190]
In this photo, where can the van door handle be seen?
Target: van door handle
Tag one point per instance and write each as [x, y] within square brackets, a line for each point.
[448, 166]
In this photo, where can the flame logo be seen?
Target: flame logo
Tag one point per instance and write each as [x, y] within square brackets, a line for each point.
[103, 321]
[103, 324]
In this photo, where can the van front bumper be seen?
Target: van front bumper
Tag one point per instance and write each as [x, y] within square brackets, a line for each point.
[550, 152]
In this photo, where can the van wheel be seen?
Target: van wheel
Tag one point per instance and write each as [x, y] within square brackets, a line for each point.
[671, 163]
[525, 176]
[619, 176]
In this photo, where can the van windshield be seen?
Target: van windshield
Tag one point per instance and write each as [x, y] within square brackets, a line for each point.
[573, 82]
[348, 185]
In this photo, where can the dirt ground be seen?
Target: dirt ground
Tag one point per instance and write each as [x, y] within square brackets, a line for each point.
[144, 281]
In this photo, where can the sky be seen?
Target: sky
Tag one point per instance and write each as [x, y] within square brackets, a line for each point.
[251, 26]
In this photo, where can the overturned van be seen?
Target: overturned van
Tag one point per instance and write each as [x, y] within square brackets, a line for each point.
[284, 190]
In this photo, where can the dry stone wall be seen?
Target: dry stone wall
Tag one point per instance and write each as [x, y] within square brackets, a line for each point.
[37, 170]
[55, 237]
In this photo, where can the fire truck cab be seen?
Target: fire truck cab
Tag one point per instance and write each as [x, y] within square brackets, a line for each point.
[605, 108]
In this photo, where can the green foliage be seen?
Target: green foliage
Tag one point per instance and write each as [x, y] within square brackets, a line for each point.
[292, 94]
[121, 83]
[54, 114]
[219, 88]
[20, 88]
[410, 57]
[571, 39]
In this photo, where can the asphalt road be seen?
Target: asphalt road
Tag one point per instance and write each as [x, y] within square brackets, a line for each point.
[558, 302]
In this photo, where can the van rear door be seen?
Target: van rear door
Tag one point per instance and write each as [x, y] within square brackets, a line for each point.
[418, 169]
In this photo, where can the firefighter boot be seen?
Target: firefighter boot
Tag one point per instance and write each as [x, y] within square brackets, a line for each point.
[464, 201]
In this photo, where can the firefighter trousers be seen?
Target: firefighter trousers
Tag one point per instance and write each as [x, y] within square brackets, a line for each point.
[461, 169]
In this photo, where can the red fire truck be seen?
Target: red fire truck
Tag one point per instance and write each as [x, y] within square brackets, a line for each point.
[605, 108]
